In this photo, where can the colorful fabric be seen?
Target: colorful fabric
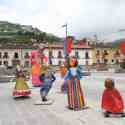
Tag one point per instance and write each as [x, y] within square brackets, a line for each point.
[112, 101]
[36, 81]
[68, 45]
[35, 53]
[73, 71]
[36, 70]
[21, 93]
[75, 95]
[21, 88]
[122, 47]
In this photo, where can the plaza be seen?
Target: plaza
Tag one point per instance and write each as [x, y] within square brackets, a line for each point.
[24, 112]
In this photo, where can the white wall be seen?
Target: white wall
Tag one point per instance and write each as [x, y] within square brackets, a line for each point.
[21, 54]
[81, 60]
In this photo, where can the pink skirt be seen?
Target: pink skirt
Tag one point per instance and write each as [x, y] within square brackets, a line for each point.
[36, 81]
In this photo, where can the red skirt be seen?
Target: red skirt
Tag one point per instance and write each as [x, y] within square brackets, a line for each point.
[112, 101]
[20, 93]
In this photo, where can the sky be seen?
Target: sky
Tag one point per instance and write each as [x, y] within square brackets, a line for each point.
[83, 17]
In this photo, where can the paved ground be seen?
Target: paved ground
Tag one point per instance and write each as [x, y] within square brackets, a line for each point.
[24, 112]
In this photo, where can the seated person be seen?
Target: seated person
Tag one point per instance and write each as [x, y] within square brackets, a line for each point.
[112, 102]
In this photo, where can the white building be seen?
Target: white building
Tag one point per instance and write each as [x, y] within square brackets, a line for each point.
[55, 53]
[20, 54]
[12, 55]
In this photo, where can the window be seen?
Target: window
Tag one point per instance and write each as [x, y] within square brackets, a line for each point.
[97, 53]
[0, 62]
[112, 60]
[76, 54]
[26, 64]
[105, 61]
[26, 56]
[16, 56]
[59, 63]
[5, 55]
[15, 62]
[98, 61]
[87, 62]
[5, 63]
[105, 53]
[117, 53]
[59, 54]
[50, 54]
[50, 61]
[86, 55]
[0, 55]
[117, 61]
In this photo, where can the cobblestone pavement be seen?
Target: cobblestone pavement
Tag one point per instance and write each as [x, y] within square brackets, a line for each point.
[24, 112]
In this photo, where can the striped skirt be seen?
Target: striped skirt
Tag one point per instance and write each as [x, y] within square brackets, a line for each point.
[75, 95]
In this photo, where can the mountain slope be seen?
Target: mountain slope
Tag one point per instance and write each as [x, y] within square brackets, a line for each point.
[23, 33]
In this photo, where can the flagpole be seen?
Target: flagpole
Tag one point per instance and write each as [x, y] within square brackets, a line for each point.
[66, 30]
[66, 56]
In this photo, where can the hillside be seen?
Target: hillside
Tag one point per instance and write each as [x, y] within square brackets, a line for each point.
[23, 33]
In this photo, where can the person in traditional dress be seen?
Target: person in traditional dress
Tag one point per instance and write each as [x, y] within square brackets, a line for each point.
[74, 92]
[21, 88]
[112, 102]
[47, 78]
[63, 71]
[36, 68]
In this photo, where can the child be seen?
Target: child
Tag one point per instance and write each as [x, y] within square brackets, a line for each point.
[112, 102]
[21, 88]
[47, 79]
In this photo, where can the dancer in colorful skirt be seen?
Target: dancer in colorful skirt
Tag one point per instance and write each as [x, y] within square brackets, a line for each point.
[36, 68]
[47, 78]
[21, 88]
[75, 93]
[112, 102]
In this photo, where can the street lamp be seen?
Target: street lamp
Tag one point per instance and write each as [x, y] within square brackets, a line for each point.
[65, 45]
[65, 25]
[65, 51]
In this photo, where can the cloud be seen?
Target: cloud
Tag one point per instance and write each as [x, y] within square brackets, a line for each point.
[84, 17]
